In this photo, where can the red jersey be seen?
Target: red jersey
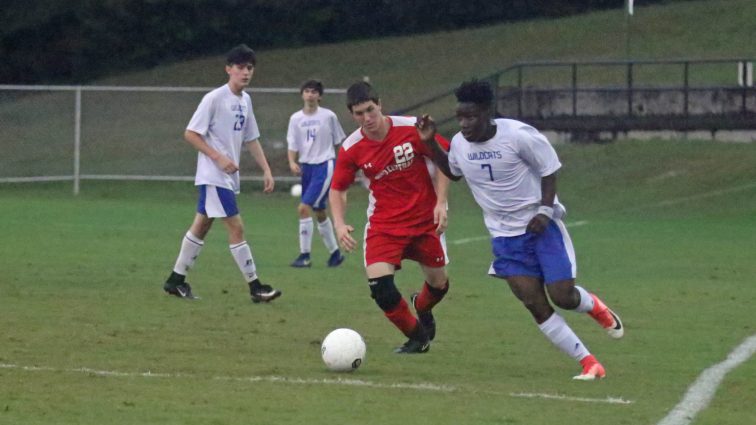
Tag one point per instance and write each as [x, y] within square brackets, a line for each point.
[402, 196]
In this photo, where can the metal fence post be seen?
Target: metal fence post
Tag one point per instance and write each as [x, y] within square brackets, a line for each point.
[77, 142]
[686, 85]
[629, 89]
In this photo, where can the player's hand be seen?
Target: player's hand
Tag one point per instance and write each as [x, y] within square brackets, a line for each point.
[538, 223]
[426, 128]
[294, 167]
[226, 164]
[343, 235]
[440, 218]
[268, 183]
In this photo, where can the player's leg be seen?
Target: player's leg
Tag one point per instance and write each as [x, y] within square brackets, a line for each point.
[382, 259]
[240, 249]
[557, 258]
[325, 228]
[304, 210]
[317, 197]
[305, 236]
[429, 252]
[191, 246]
[529, 290]
[515, 260]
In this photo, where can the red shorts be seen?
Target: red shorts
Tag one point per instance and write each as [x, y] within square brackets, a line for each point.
[425, 248]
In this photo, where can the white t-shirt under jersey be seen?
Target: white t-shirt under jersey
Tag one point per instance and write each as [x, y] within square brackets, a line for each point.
[225, 121]
[504, 174]
[314, 136]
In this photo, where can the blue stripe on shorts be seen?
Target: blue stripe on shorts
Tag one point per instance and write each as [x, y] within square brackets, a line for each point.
[316, 182]
[216, 201]
[544, 256]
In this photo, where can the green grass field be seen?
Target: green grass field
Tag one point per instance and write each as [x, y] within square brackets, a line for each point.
[668, 239]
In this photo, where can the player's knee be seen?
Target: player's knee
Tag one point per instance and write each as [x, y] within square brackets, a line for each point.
[566, 297]
[384, 292]
[304, 210]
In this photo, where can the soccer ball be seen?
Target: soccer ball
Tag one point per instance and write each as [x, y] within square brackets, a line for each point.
[343, 350]
[296, 190]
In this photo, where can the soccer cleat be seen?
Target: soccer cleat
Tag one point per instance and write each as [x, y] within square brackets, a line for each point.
[592, 370]
[426, 319]
[606, 318]
[414, 346]
[263, 293]
[302, 261]
[336, 259]
[181, 290]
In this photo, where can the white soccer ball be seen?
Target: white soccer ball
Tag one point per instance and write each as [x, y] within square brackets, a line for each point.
[296, 190]
[343, 350]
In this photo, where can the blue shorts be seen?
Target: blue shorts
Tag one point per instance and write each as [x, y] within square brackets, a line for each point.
[548, 256]
[316, 182]
[216, 201]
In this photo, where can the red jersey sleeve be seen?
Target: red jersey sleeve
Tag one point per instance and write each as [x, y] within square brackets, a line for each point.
[441, 140]
[343, 174]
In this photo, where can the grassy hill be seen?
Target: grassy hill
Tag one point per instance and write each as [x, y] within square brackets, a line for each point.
[407, 68]
[141, 133]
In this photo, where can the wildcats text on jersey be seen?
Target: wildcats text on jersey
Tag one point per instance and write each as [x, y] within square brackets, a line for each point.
[484, 155]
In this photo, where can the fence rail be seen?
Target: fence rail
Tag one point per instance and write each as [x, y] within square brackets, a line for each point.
[17, 108]
[678, 94]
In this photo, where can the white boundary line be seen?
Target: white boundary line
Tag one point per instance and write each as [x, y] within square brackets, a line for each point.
[423, 386]
[480, 238]
[702, 391]
[609, 400]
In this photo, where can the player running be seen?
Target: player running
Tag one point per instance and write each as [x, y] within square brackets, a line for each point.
[313, 132]
[404, 215]
[511, 168]
[222, 123]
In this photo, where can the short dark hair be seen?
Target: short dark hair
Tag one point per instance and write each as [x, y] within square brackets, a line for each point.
[475, 91]
[241, 55]
[361, 92]
[316, 85]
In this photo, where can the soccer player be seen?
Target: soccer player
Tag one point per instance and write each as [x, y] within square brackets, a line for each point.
[313, 132]
[404, 215]
[511, 169]
[222, 123]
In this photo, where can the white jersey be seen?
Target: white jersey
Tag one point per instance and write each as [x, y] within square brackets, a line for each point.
[504, 174]
[225, 121]
[314, 136]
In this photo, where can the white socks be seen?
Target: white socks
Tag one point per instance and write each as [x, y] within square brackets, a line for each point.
[326, 232]
[586, 301]
[190, 250]
[305, 235]
[560, 334]
[243, 257]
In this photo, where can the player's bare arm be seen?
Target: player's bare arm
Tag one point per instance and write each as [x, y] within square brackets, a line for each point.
[255, 149]
[293, 164]
[338, 201]
[545, 212]
[426, 129]
[440, 211]
[224, 163]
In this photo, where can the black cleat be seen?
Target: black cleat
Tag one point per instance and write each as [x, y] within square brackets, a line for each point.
[414, 346]
[418, 342]
[181, 290]
[302, 261]
[335, 259]
[426, 319]
[262, 293]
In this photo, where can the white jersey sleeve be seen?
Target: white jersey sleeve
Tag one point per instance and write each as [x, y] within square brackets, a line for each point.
[291, 133]
[453, 161]
[337, 130]
[536, 151]
[251, 131]
[203, 116]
